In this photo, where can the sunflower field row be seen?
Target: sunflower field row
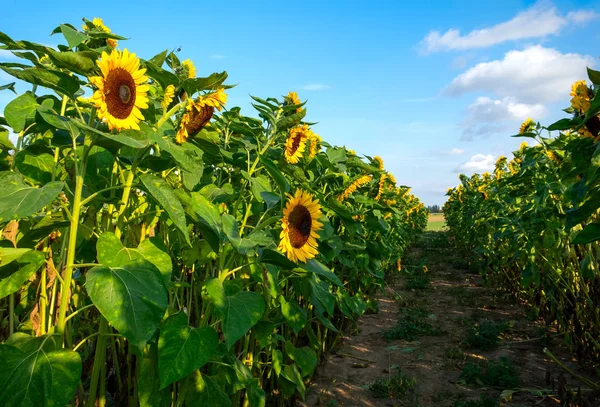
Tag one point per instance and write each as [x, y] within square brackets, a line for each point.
[159, 248]
[534, 224]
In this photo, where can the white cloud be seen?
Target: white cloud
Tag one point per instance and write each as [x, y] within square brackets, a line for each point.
[454, 151]
[582, 16]
[217, 56]
[315, 86]
[539, 21]
[477, 163]
[487, 116]
[533, 75]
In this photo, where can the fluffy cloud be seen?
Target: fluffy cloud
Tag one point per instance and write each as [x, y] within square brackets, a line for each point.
[487, 116]
[533, 75]
[539, 21]
[478, 163]
[315, 86]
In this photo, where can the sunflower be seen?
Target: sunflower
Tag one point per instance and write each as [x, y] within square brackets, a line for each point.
[168, 97]
[189, 67]
[359, 182]
[581, 96]
[523, 145]
[296, 144]
[552, 156]
[300, 225]
[390, 202]
[387, 216]
[99, 25]
[381, 186]
[198, 113]
[293, 99]
[315, 141]
[378, 161]
[351, 152]
[526, 127]
[122, 90]
[216, 99]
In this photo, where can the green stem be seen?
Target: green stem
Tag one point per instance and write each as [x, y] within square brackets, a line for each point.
[95, 194]
[99, 359]
[11, 314]
[65, 294]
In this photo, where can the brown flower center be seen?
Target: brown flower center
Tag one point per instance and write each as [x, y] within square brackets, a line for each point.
[119, 91]
[295, 143]
[300, 223]
[198, 119]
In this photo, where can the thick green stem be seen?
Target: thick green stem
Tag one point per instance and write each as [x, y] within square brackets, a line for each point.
[99, 360]
[11, 314]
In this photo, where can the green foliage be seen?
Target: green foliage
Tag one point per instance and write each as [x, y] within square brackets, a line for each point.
[485, 335]
[396, 387]
[414, 322]
[483, 401]
[499, 373]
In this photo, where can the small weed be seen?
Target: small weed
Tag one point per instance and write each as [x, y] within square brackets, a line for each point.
[414, 322]
[396, 387]
[463, 296]
[486, 335]
[454, 353]
[500, 373]
[442, 396]
[418, 282]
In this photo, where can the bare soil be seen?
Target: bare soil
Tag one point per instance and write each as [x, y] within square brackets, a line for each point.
[456, 300]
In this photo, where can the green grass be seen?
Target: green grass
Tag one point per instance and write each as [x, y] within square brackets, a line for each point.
[394, 387]
[436, 222]
[499, 373]
[414, 322]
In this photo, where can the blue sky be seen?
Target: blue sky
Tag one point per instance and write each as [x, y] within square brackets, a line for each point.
[433, 87]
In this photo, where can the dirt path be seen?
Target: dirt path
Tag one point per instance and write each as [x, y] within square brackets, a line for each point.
[441, 338]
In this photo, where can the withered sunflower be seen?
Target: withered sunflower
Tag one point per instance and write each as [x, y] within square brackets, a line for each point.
[199, 113]
[296, 144]
[122, 90]
[300, 225]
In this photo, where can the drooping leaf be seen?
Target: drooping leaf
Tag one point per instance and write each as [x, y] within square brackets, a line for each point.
[48, 78]
[132, 297]
[38, 375]
[21, 200]
[15, 273]
[183, 349]
[19, 110]
[293, 313]
[589, 234]
[166, 198]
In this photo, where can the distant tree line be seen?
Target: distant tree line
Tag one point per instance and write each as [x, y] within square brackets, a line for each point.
[434, 209]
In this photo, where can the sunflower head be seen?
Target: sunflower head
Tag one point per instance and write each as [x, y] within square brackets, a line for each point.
[168, 96]
[122, 90]
[98, 24]
[196, 116]
[299, 227]
[296, 144]
[351, 152]
[315, 143]
[523, 145]
[580, 100]
[293, 99]
[527, 126]
[189, 68]
[378, 162]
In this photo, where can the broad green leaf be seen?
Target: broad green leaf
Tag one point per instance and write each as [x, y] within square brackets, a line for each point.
[205, 391]
[20, 200]
[240, 313]
[9, 254]
[112, 253]
[165, 78]
[230, 227]
[290, 121]
[214, 288]
[15, 273]
[19, 110]
[73, 37]
[320, 295]
[594, 76]
[589, 234]
[213, 82]
[183, 349]
[38, 376]
[256, 395]
[282, 182]
[48, 78]
[305, 358]
[291, 373]
[9, 86]
[36, 163]
[207, 212]
[293, 313]
[259, 185]
[132, 297]
[277, 259]
[166, 198]
[81, 62]
[322, 270]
